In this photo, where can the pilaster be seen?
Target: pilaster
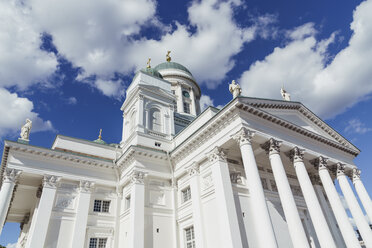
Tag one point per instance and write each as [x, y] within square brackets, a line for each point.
[229, 225]
[137, 210]
[82, 212]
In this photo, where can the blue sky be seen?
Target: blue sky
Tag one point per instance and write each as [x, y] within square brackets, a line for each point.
[66, 65]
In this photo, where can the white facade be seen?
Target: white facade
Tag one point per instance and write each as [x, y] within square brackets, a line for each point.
[257, 173]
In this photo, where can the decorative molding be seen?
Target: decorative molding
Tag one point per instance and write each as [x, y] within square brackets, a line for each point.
[217, 154]
[320, 163]
[137, 177]
[11, 175]
[356, 174]
[65, 202]
[193, 170]
[340, 169]
[272, 146]
[296, 154]
[86, 186]
[243, 136]
[254, 109]
[235, 177]
[50, 181]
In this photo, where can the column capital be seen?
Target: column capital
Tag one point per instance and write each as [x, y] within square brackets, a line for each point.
[235, 177]
[296, 154]
[243, 136]
[193, 170]
[50, 181]
[217, 154]
[356, 174]
[138, 177]
[272, 146]
[86, 186]
[11, 175]
[340, 169]
[320, 163]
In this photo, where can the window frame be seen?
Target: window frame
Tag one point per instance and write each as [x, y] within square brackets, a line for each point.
[192, 237]
[186, 192]
[101, 208]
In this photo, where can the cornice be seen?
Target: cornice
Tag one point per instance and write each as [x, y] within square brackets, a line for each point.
[204, 133]
[272, 104]
[307, 133]
[57, 155]
[136, 150]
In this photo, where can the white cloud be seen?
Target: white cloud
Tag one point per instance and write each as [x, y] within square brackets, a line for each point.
[356, 126]
[14, 245]
[71, 100]
[110, 88]
[206, 101]
[21, 62]
[14, 110]
[326, 85]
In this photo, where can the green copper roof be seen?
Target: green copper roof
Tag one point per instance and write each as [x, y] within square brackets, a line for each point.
[152, 72]
[100, 141]
[172, 65]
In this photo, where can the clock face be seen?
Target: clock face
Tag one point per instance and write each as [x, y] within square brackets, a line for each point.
[186, 94]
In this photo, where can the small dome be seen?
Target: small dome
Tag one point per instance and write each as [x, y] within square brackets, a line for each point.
[152, 72]
[172, 65]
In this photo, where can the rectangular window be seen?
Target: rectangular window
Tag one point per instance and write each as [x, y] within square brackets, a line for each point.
[97, 242]
[186, 194]
[190, 237]
[101, 206]
[186, 107]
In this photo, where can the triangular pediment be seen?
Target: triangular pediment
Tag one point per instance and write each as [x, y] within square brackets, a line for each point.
[300, 116]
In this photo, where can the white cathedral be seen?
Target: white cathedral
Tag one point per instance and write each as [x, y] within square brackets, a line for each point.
[257, 173]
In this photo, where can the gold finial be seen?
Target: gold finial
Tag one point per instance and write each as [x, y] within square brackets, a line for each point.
[148, 63]
[168, 57]
[100, 134]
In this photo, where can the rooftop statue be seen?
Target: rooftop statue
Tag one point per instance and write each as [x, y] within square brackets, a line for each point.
[235, 89]
[286, 96]
[168, 57]
[26, 129]
[148, 63]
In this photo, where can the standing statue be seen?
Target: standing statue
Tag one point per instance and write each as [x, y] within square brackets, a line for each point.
[168, 58]
[235, 89]
[286, 96]
[148, 63]
[26, 129]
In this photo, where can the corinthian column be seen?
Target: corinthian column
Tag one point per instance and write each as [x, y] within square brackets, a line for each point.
[261, 217]
[354, 207]
[137, 210]
[320, 224]
[40, 221]
[9, 180]
[296, 229]
[362, 193]
[228, 219]
[342, 219]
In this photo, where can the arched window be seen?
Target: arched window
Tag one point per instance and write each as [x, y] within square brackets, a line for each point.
[132, 121]
[155, 120]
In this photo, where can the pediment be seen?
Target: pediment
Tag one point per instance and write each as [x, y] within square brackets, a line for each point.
[300, 116]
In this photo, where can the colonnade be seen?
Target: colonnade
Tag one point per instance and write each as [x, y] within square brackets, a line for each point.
[261, 217]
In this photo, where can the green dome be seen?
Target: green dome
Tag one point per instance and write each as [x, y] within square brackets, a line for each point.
[172, 65]
[100, 141]
[152, 72]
